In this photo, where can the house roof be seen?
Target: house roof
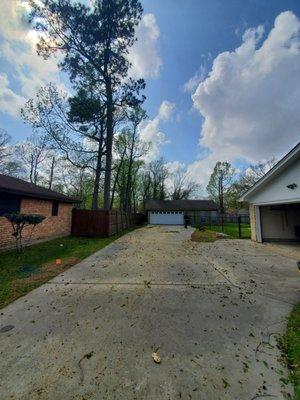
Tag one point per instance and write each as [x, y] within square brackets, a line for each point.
[8, 184]
[282, 164]
[180, 205]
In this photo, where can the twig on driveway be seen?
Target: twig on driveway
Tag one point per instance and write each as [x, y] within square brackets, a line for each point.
[194, 361]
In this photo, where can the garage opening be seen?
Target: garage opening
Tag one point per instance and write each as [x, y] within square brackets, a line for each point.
[166, 218]
[280, 223]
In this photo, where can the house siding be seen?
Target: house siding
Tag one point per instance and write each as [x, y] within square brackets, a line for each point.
[276, 191]
[51, 227]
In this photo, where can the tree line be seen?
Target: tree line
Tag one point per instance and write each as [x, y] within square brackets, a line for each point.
[134, 180]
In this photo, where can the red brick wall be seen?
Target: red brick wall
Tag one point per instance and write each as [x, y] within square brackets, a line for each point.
[52, 226]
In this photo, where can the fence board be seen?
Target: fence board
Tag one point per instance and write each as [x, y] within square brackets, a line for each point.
[103, 223]
[90, 223]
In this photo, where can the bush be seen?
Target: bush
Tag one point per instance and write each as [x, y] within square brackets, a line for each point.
[18, 222]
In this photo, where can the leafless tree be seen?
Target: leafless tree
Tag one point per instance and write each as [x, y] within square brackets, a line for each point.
[4, 148]
[32, 153]
[74, 126]
[183, 187]
[255, 172]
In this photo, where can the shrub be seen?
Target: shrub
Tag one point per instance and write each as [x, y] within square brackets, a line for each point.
[18, 222]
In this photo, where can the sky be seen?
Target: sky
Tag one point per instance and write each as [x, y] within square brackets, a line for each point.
[223, 79]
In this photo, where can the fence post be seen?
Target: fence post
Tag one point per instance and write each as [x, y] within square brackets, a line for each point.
[240, 227]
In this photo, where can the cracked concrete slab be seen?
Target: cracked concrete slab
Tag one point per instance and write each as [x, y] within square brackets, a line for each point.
[212, 311]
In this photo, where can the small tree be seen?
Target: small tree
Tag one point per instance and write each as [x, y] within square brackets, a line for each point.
[220, 184]
[18, 222]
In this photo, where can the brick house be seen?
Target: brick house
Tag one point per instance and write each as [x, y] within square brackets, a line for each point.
[17, 195]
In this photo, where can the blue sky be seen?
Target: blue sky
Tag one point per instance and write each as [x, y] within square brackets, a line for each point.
[193, 33]
[248, 105]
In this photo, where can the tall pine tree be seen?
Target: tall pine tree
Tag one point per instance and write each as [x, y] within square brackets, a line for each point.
[94, 43]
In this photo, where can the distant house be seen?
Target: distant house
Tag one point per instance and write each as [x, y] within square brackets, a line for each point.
[275, 201]
[18, 196]
[233, 215]
[172, 212]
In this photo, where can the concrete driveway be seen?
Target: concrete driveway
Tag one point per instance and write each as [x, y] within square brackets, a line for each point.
[212, 312]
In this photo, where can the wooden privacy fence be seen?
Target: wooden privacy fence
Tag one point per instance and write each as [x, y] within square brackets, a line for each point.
[94, 223]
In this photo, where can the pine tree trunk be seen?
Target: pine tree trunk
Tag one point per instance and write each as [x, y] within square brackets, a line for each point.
[109, 143]
[95, 201]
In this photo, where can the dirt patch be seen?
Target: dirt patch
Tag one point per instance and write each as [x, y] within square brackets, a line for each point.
[205, 236]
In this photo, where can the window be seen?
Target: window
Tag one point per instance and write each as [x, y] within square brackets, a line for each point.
[55, 205]
[9, 203]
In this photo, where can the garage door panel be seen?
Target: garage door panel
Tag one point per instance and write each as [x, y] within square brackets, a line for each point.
[166, 218]
[278, 222]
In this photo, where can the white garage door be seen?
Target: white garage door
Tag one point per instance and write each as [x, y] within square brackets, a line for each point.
[166, 218]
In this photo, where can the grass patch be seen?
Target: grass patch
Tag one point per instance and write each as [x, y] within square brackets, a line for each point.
[206, 236]
[20, 273]
[290, 344]
[232, 229]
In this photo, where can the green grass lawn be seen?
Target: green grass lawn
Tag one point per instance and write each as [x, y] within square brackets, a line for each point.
[232, 229]
[291, 347]
[20, 273]
[204, 236]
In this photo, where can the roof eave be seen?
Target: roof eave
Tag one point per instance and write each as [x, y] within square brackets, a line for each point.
[40, 196]
[286, 160]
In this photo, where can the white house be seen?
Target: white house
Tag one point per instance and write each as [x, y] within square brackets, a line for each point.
[275, 201]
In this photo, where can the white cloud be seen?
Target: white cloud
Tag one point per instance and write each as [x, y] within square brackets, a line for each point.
[192, 84]
[143, 55]
[250, 100]
[201, 170]
[10, 102]
[18, 48]
[150, 130]
[165, 110]
[175, 167]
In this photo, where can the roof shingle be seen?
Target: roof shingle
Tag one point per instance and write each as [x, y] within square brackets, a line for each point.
[180, 205]
[8, 184]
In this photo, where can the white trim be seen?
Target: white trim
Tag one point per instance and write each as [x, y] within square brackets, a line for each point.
[275, 202]
[283, 163]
